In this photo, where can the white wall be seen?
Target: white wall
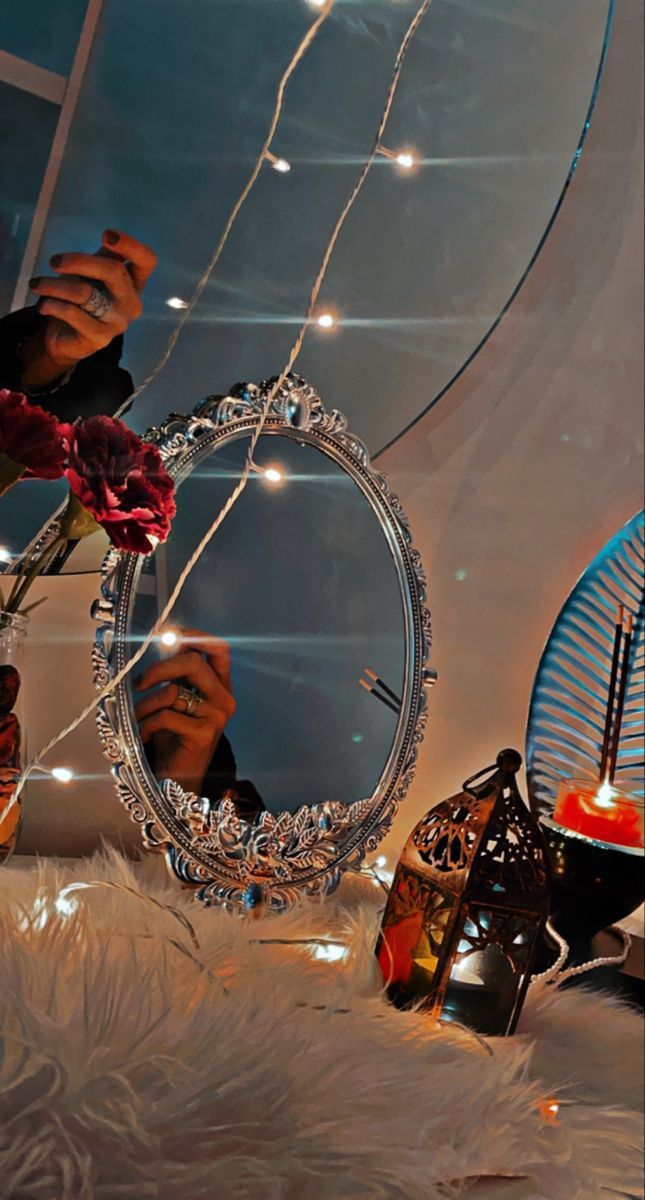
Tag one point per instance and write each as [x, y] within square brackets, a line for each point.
[517, 477]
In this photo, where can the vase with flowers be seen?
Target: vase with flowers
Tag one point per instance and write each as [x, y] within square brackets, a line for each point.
[116, 482]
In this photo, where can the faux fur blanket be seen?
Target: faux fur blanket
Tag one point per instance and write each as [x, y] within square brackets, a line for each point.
[188, 1054]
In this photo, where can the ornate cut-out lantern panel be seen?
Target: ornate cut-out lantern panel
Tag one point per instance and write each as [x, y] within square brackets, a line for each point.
[468, 904]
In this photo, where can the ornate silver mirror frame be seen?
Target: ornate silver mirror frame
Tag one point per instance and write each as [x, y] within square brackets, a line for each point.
[209, 847]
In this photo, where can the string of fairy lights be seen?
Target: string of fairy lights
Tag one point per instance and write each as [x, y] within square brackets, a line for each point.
[324, 320]
[406, 160]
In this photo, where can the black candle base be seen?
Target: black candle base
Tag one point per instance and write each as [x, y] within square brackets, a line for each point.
[592, 886]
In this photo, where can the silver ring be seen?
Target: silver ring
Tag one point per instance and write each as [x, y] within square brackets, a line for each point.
[190, 701]
[98, 304]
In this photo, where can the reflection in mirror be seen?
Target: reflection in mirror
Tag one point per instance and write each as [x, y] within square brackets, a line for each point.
[280, 681]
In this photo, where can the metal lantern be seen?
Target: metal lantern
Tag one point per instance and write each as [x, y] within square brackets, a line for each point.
[468, 903]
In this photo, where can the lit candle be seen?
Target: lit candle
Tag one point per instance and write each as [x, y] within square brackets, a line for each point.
[600, 811]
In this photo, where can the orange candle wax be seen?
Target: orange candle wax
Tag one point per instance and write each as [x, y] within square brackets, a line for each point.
[600, 811]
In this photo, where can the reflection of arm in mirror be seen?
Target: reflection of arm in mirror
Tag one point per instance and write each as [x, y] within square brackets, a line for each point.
[183, 717]
[64, 352]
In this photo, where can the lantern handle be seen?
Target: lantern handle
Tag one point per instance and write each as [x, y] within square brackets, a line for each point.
[466, 787]
[508, 762]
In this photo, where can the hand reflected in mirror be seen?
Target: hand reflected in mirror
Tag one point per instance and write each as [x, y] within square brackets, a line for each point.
[188, 706]
[90, 301]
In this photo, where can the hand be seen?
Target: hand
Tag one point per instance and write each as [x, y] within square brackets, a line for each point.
[184, 745]
[120, 268]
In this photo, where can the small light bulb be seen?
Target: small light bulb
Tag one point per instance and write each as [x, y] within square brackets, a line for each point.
[62, 774]
[316, 3]
[273, 475]
[168, 637]
[64, 907]
[281, 164]
[331, 952]
[5, 554]
[176, 302]
[549, 1110]
[326, 320]
[405, 160]
[381, 861]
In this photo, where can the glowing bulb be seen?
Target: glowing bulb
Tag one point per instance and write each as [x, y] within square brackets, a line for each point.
[281, 164]
[316, 3]
[330, 952]
[381, 861]
[326, 320]
[176, 302]
[62, 774]
[5, 554]
[168, 637]
[605, 796]
[549, 1110]
[64, 907]
[406, 159]
[273, 475]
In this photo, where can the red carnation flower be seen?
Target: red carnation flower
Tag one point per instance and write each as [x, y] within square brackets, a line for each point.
[121, 482]
[10, 742]
[32, 438]
[9, 688]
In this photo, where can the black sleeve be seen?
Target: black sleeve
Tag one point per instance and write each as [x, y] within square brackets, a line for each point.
[221, 773]
[97, 384]
[221, 779]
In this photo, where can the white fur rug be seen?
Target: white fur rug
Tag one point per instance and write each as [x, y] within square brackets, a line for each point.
[142, 1059]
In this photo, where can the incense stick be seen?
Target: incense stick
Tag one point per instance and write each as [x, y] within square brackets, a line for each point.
[611, 695]
[388, 691]
[620, 703]
[368, 688]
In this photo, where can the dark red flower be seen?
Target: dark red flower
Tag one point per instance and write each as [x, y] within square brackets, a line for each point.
[122, 482]
[32, 438]
[10, 741]
[9, 688]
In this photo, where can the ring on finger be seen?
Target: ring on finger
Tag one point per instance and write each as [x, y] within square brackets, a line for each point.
[188, 701]
[98, 304]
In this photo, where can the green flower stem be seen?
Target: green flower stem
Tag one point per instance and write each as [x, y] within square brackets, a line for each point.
[35, 568]
[10, 472]
[76, 522]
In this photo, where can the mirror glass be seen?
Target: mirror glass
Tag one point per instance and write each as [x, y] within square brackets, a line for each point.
[301, 585]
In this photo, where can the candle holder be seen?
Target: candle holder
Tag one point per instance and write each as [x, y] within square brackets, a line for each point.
[467, 906]
[606, 814]
[593, 885]
[595, 841]
[584, 744]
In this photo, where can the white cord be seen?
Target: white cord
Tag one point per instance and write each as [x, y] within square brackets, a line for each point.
[241, 200]
[207, 274]
[242, 482]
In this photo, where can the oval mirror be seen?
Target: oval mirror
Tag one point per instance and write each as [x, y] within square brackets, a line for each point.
[271, 729]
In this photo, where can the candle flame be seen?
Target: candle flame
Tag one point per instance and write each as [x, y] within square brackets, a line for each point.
[605, 795]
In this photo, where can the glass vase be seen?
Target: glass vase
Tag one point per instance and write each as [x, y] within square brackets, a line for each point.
[13, 629]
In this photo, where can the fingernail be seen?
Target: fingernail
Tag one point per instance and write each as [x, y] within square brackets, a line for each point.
[111, 237]
[56, 260]
[33, 283]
